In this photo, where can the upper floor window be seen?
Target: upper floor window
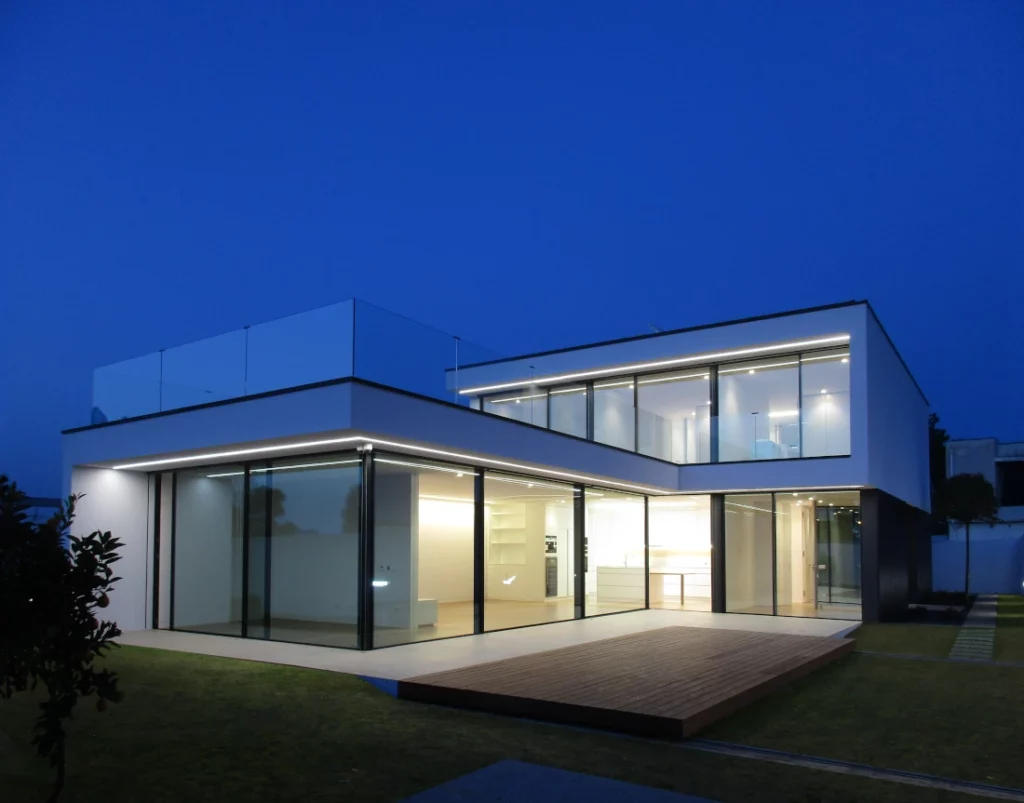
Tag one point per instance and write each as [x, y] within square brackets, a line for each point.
[759, 410]
[674, 416]
[773, 408]
[825, 403]
[614, 419]
[529, 405]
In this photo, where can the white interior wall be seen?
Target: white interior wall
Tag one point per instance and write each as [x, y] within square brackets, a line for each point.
[615, 536]
[118, 501]
[445, 550]
[207, 563]
[748, 559]
[396, 549]
[613, 417]
[680, 540]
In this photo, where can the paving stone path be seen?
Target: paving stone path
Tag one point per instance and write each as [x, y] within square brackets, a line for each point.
[976, 640]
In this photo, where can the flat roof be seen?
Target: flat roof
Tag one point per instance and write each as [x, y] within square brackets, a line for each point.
[734, 322]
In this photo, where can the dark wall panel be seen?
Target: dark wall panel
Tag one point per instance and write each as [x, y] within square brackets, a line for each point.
[893, 544]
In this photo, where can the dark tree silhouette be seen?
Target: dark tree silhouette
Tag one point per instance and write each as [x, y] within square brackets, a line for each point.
[937, 439]
[968, 499]
[51, 584]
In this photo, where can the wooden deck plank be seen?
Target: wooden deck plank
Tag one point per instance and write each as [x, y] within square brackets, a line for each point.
[667, 682]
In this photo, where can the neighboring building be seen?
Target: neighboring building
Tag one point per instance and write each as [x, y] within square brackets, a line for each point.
[774, 465]
[997, 550]
[1002, 464]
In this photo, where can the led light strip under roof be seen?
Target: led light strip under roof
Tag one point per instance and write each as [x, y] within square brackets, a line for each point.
[721, 355]
[355, 439]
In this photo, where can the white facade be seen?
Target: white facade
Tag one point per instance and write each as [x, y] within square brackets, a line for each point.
[884, 430]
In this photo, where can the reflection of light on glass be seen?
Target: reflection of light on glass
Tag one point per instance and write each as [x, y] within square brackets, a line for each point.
[509, 580]
[380, 583]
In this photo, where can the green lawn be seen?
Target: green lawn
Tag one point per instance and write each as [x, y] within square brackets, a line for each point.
[933, 641]
[1010, 629]
[945, 718]
[195, 728]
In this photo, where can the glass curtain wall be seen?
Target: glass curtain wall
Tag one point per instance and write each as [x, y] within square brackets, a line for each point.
[776, 408]
[422, 550]
[614, 552]
[529, 527]
[614, 417]
[674, 416]
[825, 403]
[529, 406]
[568, 410]
[208, 566]
[680, 552]
[749, 583]
[304, 550]
[813, 565]
[759, 410]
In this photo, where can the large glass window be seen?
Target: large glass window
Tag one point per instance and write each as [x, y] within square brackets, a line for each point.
[207, 552]
[825, 407]
[422, 550]
[759, 410]
[748, 554]
[529, 557]
[615, 566]
[614, 422]
[529, 406]
[311, 505]
[568, 407]
[674, 416]
[680, 552]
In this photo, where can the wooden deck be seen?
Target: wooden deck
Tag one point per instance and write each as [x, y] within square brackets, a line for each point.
[668, 683]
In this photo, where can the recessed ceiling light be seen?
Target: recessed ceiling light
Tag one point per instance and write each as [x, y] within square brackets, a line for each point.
[845, 359]
[750, 371]
[824, 391]
[795, 493]
[458, 474]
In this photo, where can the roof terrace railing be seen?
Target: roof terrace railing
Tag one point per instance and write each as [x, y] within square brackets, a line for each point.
[349, 339]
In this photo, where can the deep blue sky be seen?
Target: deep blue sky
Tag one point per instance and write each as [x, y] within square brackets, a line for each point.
[528, 176]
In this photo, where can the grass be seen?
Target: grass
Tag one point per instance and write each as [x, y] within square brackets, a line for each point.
[1010, 628]
[945, 718]
[200, 728]
[933, 641]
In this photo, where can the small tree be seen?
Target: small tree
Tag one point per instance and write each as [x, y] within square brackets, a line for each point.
[50, 586]
[968, 499]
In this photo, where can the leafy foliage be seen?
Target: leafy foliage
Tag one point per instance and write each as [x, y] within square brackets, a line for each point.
[968, 499]
[937, 439]
[51, 584]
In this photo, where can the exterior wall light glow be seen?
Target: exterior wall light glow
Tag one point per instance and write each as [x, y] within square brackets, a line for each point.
[370, 441]
[646, 366]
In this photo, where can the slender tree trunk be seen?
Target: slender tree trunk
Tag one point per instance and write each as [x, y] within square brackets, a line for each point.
[967, 563]
[58, 783]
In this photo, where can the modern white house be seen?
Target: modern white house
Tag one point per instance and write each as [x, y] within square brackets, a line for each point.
[347, 477]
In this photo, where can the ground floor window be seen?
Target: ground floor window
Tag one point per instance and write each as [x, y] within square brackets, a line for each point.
[372, 549]
[615, 552]
[680, 552]
[794, 554]
[529, 551]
